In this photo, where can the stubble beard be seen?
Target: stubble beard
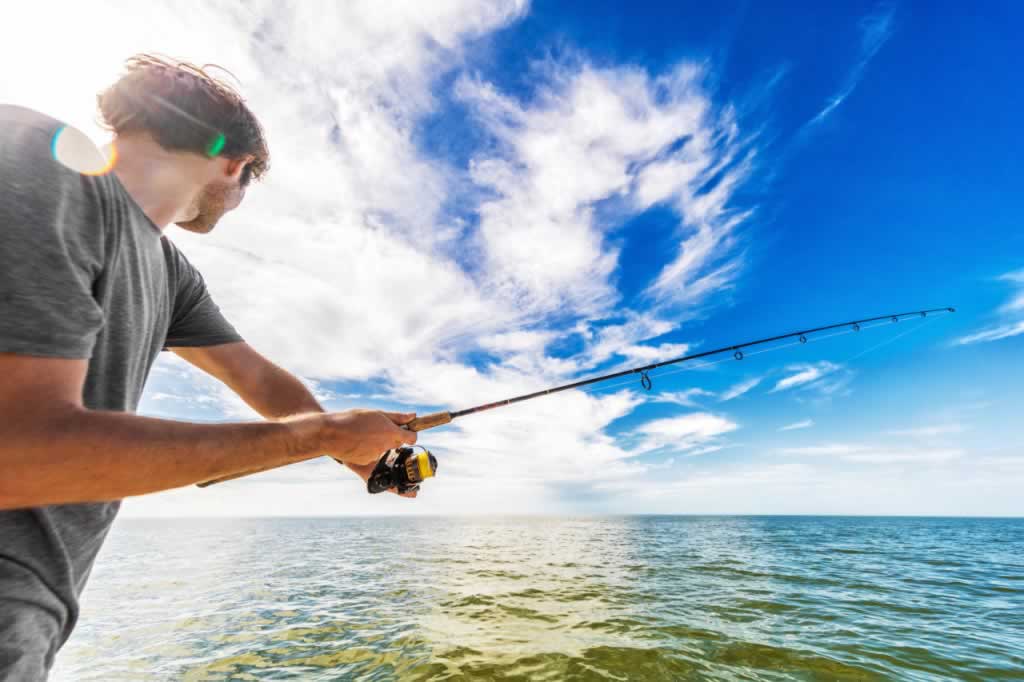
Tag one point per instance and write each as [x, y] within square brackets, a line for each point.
[209, 207]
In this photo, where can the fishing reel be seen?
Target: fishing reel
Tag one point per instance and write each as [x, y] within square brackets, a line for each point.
[402, 468]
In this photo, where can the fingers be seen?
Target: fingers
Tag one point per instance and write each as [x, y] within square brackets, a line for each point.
[400, 417]
[405, 436]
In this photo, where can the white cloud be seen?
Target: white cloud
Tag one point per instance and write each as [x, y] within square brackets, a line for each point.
[1011, 312]
[739, 389]
[652, 354]
[680, 434]
[176, 390]
[873, 454]
[609, 340]
[687, 397]
[547, 441]
[1003, 331]
[1016, 303]
[595, 135]
[835, 449]
[821, 486]
[344, 265]
[929, 431]
[517, 341]
[690, 485]
[875, 30]
[803, 424]
[281, 267]
[804, 375]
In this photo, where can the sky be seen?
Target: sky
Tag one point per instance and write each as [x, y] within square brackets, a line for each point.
[473, 200]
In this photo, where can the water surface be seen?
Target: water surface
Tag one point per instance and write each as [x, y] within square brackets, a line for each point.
[602, 598]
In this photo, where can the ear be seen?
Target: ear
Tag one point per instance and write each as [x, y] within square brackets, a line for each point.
[233, 167]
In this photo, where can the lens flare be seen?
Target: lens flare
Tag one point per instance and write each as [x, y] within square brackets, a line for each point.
[73, 149]
[216, 145]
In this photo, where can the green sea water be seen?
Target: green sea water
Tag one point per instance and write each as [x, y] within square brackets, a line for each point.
[530, 598]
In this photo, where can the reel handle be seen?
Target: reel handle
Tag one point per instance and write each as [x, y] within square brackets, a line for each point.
[423, 423]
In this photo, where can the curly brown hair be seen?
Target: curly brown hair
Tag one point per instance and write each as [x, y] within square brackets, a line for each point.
[184, 108]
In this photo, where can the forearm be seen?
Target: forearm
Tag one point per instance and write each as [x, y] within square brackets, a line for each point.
[81, 455]
[271, 391]
[280, 394]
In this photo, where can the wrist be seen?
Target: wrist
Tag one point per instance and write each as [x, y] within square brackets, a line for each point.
[306, 435]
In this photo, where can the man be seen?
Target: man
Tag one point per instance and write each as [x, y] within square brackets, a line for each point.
[90, 292]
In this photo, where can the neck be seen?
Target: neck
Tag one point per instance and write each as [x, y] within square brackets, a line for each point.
[158, 180]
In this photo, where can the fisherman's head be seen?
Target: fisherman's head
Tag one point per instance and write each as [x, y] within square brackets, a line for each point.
[184, 109]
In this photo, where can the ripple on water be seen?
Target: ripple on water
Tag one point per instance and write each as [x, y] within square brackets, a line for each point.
[552, 599]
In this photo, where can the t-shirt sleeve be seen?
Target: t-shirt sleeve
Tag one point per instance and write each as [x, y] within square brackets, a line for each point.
[51, 248]
[195, 318]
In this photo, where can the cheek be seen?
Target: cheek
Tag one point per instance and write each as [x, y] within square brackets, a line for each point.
[234, 199]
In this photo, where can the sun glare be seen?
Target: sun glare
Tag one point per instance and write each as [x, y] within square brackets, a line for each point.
[73, 148]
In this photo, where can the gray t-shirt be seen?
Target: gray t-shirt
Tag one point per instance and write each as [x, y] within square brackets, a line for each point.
[84, 273]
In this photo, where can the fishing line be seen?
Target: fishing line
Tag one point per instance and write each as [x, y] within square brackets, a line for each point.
[702, 365]
[887, 342]
[409, 468]
[439, 418]
[590, 390]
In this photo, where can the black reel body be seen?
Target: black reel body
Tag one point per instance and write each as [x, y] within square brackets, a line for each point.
[402, 468]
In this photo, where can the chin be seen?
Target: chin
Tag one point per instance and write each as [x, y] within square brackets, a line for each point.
[198, 225]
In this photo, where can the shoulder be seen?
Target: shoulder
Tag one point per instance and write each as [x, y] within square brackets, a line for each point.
[27, 140]
[14, 115]
[180, 270]
[172, 254]
[41, 182]
[38, 148]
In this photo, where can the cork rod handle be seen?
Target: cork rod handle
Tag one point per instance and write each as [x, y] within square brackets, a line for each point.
[429, 421]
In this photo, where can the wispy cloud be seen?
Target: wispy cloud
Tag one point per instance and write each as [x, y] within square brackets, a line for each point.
[599, 134]
[816, 485]
[686, 398]
[694, 432]
[804, 424]
[804, 374]
[1004, 331]
[875, 29]
[348, 266]
[736, 390]
[1011, 312]
[622, 336]
[875, 454]
[931, 431]
[690, 396]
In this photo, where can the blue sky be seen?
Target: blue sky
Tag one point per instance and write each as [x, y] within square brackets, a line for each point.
[474, 200]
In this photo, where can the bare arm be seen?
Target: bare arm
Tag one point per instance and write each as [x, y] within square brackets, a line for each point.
[270, 390]
[53, 450]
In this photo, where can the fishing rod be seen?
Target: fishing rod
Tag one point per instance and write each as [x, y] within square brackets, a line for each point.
[404, 468]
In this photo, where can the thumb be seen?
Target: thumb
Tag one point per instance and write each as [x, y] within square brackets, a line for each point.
[400, 417]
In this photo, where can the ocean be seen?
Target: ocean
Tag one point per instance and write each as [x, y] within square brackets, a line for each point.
[561, 598]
